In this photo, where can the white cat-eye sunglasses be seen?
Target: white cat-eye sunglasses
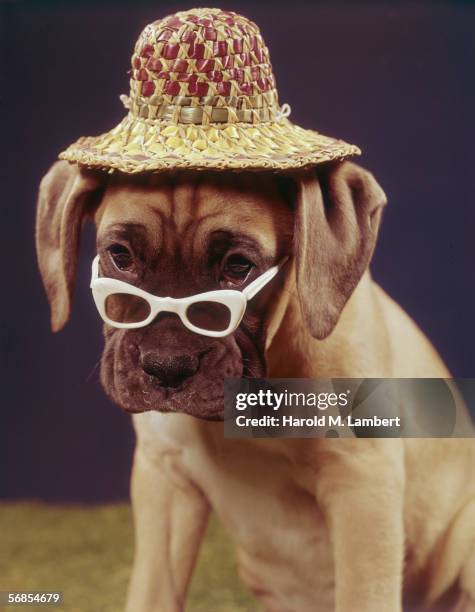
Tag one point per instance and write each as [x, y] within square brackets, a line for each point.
[214, 313]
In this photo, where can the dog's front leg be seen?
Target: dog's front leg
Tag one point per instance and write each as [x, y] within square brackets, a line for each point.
[360, 488]
[170, 517]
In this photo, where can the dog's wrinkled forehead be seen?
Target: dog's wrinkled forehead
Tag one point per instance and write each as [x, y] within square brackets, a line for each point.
[177, 213]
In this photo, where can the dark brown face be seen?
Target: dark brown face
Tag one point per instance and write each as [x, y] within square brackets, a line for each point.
[179, 235]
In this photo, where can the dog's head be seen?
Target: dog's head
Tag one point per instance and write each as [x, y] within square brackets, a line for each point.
[182, 233]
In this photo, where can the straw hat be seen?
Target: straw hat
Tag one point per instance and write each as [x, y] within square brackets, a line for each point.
[202, 95]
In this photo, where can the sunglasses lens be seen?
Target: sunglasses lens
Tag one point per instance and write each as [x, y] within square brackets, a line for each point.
[125, 308]
[210, 316]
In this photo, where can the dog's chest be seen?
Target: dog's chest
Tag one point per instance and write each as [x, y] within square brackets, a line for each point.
[263, 498]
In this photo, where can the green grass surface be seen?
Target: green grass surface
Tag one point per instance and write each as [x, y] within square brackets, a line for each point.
[86, 552]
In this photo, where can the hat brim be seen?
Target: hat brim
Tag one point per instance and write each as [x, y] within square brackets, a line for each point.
[141, 145]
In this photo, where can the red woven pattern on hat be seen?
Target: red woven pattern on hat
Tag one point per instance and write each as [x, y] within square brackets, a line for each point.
[201, 52]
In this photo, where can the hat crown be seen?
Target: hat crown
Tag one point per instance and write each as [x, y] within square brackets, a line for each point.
[203, 66]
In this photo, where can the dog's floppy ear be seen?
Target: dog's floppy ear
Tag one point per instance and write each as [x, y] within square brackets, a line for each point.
[67, 194]
[337, 216]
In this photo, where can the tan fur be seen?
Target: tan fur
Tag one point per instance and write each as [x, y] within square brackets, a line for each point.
[320, 525]
[375, 501]
[208, 206]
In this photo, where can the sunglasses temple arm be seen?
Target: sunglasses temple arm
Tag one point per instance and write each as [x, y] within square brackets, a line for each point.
[261, 281]
[95, 269]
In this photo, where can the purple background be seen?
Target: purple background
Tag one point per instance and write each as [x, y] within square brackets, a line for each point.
[394, 78]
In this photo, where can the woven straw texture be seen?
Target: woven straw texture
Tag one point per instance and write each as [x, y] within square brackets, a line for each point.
[202, 95]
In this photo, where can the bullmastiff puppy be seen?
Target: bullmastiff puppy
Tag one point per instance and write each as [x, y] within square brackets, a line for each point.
[352, 525]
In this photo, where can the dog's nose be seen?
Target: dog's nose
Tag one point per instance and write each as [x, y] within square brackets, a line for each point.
[171, 370]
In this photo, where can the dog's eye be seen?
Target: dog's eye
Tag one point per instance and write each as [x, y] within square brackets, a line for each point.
[236, 269]
[121, 257]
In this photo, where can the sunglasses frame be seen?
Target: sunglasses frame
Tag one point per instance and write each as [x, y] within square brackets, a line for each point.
[236, 301]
